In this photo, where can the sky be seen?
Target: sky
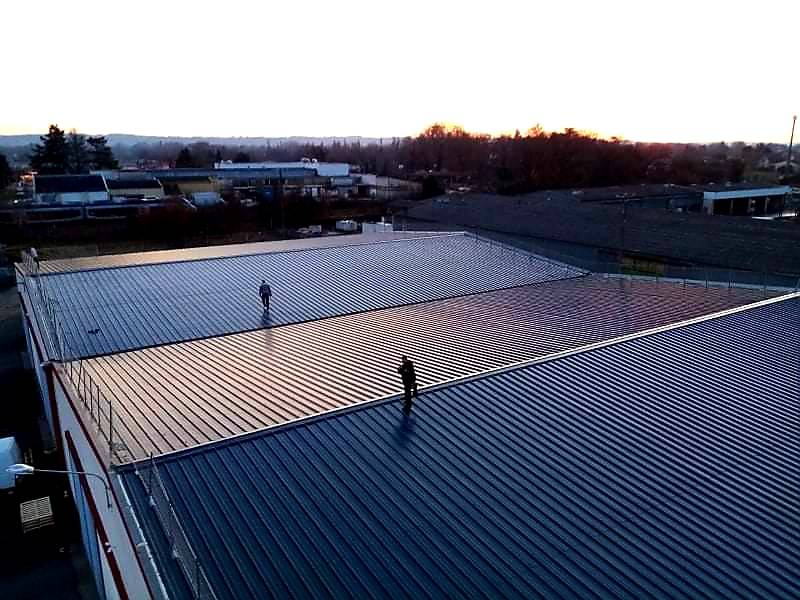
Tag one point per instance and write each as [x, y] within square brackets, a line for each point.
[680, 71]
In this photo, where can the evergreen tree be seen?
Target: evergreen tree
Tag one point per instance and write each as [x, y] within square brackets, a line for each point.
[185, 159]
[77, 154]
[242, 157]
[50, 157]
[6, 176]
[100, 154]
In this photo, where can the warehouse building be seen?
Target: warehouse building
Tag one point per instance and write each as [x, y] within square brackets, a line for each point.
[577, 434]
[744, 199]
[135, 188]
[69, 189]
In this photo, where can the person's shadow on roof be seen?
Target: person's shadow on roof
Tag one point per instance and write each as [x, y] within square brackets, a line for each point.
[404, 432]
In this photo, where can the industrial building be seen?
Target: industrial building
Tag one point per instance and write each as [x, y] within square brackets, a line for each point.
[577, 434]
[121, 193]
[322, 169]
[746, 199]
[750, 248]
[666, 196]
[135, 188]
[69, 190]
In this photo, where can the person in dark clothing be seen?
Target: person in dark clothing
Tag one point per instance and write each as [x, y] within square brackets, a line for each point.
[266, 293]
[409, 377]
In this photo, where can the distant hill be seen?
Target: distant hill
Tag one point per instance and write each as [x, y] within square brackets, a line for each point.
[126, 139]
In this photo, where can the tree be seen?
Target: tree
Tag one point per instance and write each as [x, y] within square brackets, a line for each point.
[77, 154]
[185, 159]
[6, 176]
[242, 157]
[50, 156]
[101, 156]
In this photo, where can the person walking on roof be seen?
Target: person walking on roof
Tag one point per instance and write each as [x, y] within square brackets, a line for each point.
[409, 377]
[266, 293]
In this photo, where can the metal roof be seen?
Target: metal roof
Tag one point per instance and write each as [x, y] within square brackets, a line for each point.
[137, 183]
[110, 261]
[684, 238]
[176, 396]
[112, 310]
[660, 467]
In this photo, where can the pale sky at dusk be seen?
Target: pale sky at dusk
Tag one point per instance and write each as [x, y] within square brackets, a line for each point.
[669, 71]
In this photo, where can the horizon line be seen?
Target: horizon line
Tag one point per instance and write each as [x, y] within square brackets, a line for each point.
[498, 135]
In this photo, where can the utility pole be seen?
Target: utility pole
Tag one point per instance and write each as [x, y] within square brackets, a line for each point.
[624, 223]
[789, 156]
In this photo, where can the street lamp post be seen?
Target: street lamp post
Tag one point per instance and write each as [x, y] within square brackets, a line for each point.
[23, 469]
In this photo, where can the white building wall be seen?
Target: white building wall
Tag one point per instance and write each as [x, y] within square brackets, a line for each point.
[41, 378]
[323, 169]
[120, 542]
[74, 198]
[376, 227]
[112, 520]
[96, 197]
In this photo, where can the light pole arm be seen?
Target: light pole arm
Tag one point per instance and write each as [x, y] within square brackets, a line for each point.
[95, 475]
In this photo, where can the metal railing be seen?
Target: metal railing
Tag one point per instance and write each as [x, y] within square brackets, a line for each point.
[527, 254]
[100, 409]
[101, 413]
[710, 277]
[46, 314]
[180, 548]
[44, 306]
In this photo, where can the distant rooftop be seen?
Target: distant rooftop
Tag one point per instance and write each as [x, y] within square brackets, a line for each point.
[739, 187]
[678, 238]
[630, 192]
[133, 183]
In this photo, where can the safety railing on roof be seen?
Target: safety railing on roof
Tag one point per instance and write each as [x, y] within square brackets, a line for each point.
[525, 254]
[101, 413]
[100, 409]
[44, 306]
[709, 277]
[46, 314]
[179, 546]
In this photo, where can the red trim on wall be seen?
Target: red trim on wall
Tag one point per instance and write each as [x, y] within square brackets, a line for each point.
[98, 456]
[98, 522]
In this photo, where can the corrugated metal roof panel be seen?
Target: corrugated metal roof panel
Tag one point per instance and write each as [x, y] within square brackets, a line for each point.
[176, 396]
[110, 261]
[662, 467]
[112, 310]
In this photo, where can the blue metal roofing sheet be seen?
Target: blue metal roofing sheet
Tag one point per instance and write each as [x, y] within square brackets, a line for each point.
[665, 466]
[179, 395]
[112, 310]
